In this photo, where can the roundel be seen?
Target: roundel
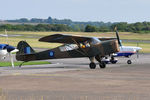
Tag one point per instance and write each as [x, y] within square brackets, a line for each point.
[51, 53]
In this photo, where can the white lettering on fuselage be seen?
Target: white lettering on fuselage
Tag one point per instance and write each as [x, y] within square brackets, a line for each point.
[68, 47]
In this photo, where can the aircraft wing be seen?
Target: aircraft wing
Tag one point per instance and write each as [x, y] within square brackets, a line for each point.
[68, 39]
[105, 38]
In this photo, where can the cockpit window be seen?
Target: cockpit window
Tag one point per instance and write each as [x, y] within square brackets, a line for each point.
[95, 41]
[68, 47]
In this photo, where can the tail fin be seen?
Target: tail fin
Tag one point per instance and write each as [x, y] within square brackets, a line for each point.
[26, 53]
[24, 48]
[118, 38]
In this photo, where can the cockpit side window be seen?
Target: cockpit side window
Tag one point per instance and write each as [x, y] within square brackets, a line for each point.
[85, 44]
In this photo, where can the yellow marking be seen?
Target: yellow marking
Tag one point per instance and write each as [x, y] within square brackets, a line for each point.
[15, 74]
[45, 75]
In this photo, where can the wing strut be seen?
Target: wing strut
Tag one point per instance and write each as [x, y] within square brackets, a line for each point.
[84, 53]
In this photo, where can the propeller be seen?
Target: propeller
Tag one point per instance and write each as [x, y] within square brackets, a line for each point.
[118, 38]
[10, 49]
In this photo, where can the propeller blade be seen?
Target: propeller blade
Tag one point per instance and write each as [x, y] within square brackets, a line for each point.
[6, 36]
[11, 57]
[118, 38]
[137, 53]
[14, 51]
[12, 61]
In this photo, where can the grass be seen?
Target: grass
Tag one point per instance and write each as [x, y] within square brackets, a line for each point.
[33, 41]
[3, 64]
[123, 35]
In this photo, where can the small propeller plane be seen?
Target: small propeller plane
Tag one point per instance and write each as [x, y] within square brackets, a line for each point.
[73, 47]
[125, 51]
[6, 50]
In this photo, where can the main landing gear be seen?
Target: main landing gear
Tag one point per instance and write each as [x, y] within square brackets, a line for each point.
[113, 61]
[129, 62]
[101, 65]
[92, 65]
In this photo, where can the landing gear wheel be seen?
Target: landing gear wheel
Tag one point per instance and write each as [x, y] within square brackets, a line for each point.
[102, 64]
[113, 61]
[129, 62]
[92, 65]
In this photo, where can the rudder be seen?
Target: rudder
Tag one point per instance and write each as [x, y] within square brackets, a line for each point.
[24, 48]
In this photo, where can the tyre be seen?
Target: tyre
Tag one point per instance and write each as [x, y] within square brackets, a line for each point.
[92, 65]
[102, 65]
[129, 62]
[113, 61]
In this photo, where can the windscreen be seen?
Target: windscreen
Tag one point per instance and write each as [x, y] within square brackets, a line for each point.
[95, 41]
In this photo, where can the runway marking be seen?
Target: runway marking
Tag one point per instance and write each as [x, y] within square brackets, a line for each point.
[16, 74]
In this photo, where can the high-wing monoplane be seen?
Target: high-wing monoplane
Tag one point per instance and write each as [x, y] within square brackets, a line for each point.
[73, 47]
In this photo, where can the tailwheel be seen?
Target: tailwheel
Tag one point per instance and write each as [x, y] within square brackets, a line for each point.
[92, 65]
[129, 62]
[102, 64]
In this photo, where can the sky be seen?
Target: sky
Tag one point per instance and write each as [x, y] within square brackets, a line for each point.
[130, 11]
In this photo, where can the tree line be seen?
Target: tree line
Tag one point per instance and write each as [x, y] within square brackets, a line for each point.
[139, 27]
[39, 27]
[51, 20]
[75, 25]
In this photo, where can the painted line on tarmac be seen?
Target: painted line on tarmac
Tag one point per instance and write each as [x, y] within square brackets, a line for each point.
[46, 75]
[16, 74]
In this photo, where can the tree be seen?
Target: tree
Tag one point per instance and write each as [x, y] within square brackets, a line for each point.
[90, 28]
[122, 26]
[104, 29]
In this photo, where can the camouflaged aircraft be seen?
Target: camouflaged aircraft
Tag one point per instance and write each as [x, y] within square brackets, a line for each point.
[73, 47]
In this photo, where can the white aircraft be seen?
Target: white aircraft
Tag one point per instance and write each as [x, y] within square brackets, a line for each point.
[125, 51]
